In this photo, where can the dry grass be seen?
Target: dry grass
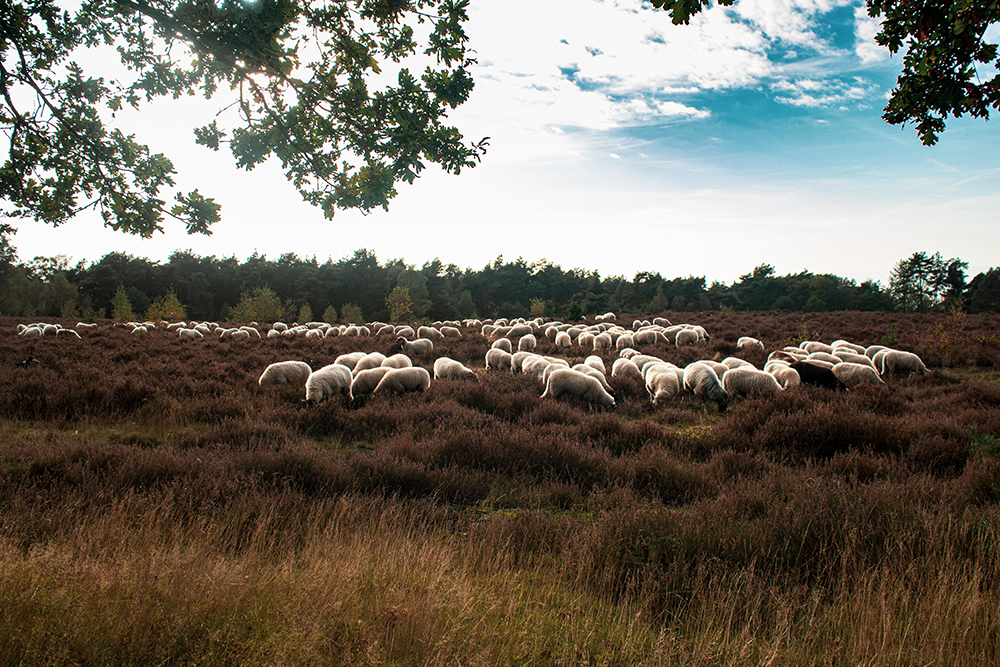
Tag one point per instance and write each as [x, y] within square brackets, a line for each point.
[157, 507]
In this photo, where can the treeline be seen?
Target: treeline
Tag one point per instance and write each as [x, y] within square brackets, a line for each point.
[358, 286]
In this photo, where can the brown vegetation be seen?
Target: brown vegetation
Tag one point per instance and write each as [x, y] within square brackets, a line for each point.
[158, 506]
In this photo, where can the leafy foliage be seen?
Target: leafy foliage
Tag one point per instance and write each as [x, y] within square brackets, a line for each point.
[399, 304]
[121, 306]
[259, 305]
[326, 89]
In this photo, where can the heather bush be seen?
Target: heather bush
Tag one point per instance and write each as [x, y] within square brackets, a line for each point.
[795, 519]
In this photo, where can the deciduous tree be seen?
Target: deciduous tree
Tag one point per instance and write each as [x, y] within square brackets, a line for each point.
[329, 89]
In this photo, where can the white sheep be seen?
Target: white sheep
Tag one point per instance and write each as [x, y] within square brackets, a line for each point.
[285, 372]
[851, 374]
[498, 359]
[503, 344]
[585, 339]
[648, 337]
[872, 349]
[397, 361]
[370, 360]
[661, 321]
[366, 381]
[853, 358]
[749, 342]
[183, 333]
[418, 345]
[535, 367]
[402, 380]
[595, 361]
[624, 341]
[450, 369]
[527, 343]
[239, 335]
[857, 349]
[68, 332]
[327, 382]
[563, 339]
[702, 381]
[596, 374]
[748, 381]
[898, 361]
[625, 368]
[451, 332]
[811, 346]
[661, 383]
[686, 337]
[823, 356]
[430, 333]
[581, 385]
[787, 377]
[603, 341]
[350, 359]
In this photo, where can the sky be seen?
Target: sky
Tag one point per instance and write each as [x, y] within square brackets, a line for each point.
[620, 143]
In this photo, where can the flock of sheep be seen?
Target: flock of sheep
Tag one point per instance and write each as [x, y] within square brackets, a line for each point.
[838, 365]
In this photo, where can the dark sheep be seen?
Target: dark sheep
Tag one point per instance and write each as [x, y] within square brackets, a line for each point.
[27, 362]
[817, 375]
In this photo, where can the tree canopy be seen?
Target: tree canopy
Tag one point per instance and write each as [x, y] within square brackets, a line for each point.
[325, 88]
[942, 42]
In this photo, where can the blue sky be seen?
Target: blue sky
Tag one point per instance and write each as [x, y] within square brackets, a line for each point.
[622, 143]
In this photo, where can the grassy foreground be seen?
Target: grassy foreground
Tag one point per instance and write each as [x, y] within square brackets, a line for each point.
[157, 507]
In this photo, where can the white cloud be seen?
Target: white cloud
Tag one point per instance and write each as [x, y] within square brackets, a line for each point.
[865, 29]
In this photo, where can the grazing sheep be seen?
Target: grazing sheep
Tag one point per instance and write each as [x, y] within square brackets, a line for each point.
[285, 372]
[189, 333]
[686, 337]
[702, 381]
[68, 332]
[449, 369]
[499, 359]
[811, 346]
[606, 317]
[365, 382]
[871, 350]
[370, 360]
[86, 325]
[641, 360]
[823, 356]
[328, 382]
[350, 359]
[853, 358]
[581, 385]
[527, 343]
[419, 345]
[662, 384]
[451, 332]
[649, 337]
[503, 344]
[898, 361]
[748, 381]
[661, 321]
[735, 362]
[563, 339]
[537, 367]
[405, 331]
[749, 342]
[596, 374]
[585, 339]
[851, 374]
[787, 377]
[402, 380]
[595, 361]
[519, 358]
[397, 361]
[857, 349]
[603, 341]
[815, 374]
[720, 367]
[429, 333]
[625, 368]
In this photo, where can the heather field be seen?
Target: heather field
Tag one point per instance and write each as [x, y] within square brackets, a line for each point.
[158, 507]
